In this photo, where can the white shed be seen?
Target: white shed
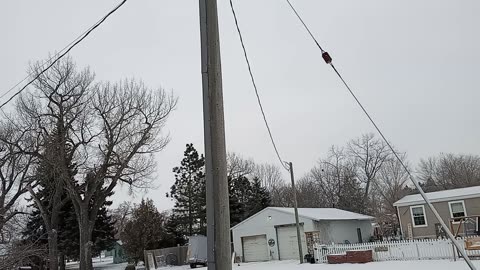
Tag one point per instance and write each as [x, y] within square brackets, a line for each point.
[271, 233]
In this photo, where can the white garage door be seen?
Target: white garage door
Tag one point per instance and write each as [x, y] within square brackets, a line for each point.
[287, 242]
[255, 248]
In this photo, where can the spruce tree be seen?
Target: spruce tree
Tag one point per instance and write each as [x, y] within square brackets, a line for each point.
[259, 197]
[189, 193]
[240, 193]
[68, 227]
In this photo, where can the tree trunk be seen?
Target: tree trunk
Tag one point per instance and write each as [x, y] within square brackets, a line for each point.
[367, 187]
[62, 261]
[53, 249]
[86, 229]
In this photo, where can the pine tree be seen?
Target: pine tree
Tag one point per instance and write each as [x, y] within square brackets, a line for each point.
[175, 235]
[350, 196]
[68, 227]
[189, 193]
[259, 197]
[240, 194]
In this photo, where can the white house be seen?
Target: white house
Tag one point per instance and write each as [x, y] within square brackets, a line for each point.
[271, 233]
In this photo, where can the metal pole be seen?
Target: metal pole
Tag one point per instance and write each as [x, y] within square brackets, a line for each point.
[299, 239]
[218, 215]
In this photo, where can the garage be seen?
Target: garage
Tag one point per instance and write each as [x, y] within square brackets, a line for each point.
[255, 248]
[287, 242]
[271, 233]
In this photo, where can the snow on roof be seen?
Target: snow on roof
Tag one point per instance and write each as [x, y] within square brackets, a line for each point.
[315, 214]
[324, 213]
[440, 196]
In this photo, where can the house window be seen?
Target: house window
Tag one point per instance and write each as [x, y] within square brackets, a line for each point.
[457, 209]
[418, 216]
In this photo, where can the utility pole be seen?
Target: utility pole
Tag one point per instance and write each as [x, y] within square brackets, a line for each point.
[218, 215]
[299, 239]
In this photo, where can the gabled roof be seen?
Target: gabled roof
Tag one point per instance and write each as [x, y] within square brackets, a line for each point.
[316, 214]
[441, 196]
[324, 213]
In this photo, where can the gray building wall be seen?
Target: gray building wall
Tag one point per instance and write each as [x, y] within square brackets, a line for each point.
[472, 207]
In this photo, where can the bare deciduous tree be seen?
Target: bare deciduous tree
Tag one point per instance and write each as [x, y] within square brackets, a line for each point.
[336, 182]
[15, 170]
[270, 175]
[389, 187]
[120, 215]
[449, 171]
[369, 154]
[103, 135]
[238, 167]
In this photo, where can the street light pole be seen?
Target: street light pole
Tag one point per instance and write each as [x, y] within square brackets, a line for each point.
[218, 215]
[299, 239]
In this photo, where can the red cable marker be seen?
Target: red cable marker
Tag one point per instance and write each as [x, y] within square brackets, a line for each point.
[327, 58]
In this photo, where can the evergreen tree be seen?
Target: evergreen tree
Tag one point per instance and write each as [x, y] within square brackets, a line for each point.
[68, 227]
[145, 230]
[240, 194]
[189, 193]
[68, 231]
[259, 197]
[350, 195]
[174, 231]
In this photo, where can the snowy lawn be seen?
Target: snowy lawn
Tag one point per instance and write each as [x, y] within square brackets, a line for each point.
[103, 264]
[392, 265]
[293, 265]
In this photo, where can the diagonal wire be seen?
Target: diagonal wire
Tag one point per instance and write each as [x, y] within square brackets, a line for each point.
[255, 87]
[47, 61]
[64, 53]
[328, 60]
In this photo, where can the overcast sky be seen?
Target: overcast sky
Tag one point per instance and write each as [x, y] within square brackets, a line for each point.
[414, 64]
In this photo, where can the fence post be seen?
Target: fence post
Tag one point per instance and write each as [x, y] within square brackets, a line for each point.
[418, 251]
[454, 255]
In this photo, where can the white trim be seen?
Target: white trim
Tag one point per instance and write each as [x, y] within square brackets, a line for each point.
[285, 210]
[400, 221]
[472, 192]
[450, 209]
[424, 216]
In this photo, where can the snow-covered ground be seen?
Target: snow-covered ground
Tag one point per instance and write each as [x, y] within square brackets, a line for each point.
[392, 265]
[293, 265]
[100, 264]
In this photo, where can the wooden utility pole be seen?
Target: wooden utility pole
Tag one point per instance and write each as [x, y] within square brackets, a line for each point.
[299, 239]
[218, 215]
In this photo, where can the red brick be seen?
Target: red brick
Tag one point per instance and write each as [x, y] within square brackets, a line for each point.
[359, 256]
[337, 258]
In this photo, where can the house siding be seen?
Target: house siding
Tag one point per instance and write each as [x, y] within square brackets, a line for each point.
[472, 207]
[338, 231]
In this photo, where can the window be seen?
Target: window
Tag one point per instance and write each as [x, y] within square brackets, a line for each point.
[457, 209]
[418, 216]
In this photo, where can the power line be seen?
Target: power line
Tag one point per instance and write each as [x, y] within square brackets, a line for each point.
[75, 43]
[328, 60]
[255, 87]
[49, 59]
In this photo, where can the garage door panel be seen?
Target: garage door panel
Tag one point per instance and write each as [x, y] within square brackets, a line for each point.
[287, 242]
[255, 248]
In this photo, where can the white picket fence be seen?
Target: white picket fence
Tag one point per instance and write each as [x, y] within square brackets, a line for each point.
[425, 249]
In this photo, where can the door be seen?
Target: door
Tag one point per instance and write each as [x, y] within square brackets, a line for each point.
[359, 235]
[255, 248]
[288, 244]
